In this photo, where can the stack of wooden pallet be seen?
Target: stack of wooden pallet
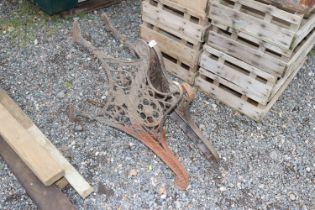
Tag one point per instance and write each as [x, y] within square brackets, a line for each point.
[253, 51]
[179, 27]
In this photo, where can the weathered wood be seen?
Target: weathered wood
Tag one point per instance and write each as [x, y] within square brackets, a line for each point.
[247, 53]
[71, 174]
[174, 46]
[176, 24]
[196, 7]
[266, 22]
[235, 82]
[236, 102]
[179, 32]
[34, 155]
[180, 59]
[46, 198]
[246, 79]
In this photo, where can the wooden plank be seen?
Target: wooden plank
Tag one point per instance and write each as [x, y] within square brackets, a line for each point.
[46, 198]
[228, 98]
[34, 155]
[71, 174]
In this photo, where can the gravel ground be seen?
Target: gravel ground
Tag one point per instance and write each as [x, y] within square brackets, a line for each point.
[265, 165]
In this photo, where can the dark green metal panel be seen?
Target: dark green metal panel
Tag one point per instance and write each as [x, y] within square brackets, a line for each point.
[55, 6]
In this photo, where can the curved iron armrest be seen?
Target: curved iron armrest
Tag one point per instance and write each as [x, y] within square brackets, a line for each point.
[142, 97]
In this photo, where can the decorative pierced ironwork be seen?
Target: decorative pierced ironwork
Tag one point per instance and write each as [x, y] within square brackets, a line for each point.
[141, 97]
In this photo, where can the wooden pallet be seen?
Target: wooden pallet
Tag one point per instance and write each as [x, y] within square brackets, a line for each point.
[307, 25]
[239, 102]
[179, 31]
[245, 49]
[260, 20]
[175, 20]
[245, 88]
[237, 75]
[180, 57]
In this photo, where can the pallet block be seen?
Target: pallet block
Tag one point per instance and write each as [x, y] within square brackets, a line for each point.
[179, 31]
[260, 20]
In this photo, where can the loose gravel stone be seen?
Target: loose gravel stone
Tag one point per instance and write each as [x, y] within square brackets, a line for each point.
[78, 128]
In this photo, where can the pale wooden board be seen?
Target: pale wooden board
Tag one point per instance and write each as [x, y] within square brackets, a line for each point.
[171, 46]
[174, 24]
[251, 23]
[43, 165]
[71, 174]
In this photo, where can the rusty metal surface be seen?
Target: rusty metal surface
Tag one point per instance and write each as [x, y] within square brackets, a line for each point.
[141, 97]
[303, 6]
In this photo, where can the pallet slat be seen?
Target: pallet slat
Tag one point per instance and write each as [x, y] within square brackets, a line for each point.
[240, 49]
